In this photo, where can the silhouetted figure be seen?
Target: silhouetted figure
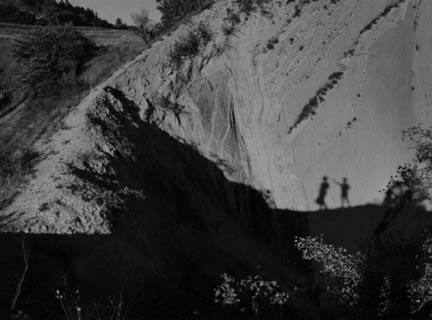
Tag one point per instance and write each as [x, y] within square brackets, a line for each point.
[322, 194]
[344, 192]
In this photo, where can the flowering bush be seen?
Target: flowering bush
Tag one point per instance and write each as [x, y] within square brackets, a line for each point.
[420, 291]
[225, 293]
[253, 294]
[344, 270]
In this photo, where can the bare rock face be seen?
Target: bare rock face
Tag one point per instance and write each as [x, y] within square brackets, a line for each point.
[284, 101]
[170, 159]
[294, 93]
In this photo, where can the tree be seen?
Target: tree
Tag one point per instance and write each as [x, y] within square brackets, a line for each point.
[144, 24]
[142, 20]
[52, 58]
[119, 24]
[44, 12]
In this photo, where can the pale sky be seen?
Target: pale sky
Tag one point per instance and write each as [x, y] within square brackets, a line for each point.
[111, 9]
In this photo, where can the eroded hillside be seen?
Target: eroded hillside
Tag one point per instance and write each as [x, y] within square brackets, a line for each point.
[185, 163]
[280, 102]
[296, 93]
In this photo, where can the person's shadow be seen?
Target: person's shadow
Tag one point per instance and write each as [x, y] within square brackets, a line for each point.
[324, 186]
[344, 187]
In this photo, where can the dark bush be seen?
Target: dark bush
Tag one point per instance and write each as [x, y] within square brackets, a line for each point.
[10, 13]
[190, 45]
[271, 42]
[248, 6]
[204, 33]
[174, 11]
[234, 18]
[231, 20]
[52, 58]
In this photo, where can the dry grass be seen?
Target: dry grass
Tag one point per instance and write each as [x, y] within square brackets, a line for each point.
[26, 121]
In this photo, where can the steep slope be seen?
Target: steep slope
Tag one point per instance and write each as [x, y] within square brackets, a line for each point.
[186, 165]
[122, 193]
[330, 98]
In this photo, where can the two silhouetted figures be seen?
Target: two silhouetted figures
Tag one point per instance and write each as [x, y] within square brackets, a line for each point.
[344, 186]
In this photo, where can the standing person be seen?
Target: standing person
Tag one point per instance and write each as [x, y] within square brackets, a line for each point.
[322, 194]
[344, 192]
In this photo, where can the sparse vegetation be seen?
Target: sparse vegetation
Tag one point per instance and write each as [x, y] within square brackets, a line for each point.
[370, 25]
[74, 308]
[393, 279]
[253, 295]
[175, 11]
[389, 283]
[231, 20]
[272, 42]
[310, 108]
[190, 45]
[144, 24]
[52, 58]
[383, 14]
[249, 6]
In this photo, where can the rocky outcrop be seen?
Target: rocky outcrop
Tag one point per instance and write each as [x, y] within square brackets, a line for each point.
[278, 119]
[331, 96]
[185, 164]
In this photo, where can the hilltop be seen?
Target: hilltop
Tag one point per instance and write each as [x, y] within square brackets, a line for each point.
[44, 12]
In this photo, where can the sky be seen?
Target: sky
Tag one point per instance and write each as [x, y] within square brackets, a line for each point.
[111, 9]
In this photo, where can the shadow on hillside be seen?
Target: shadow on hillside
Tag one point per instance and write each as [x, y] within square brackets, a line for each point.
[354, 227]
[102, 265]
[168, 248]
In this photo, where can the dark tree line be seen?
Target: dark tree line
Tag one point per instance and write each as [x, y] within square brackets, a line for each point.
[49, 12]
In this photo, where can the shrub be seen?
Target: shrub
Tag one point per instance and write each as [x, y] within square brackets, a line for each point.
[190, 45]
[52, 58]
[253, 294]
[174, 11]
[248, 6]
[271, 42]
[395, 280]
[342, 269]
[420, 290]
[204, 33]
[412, 182]
[144, 24]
